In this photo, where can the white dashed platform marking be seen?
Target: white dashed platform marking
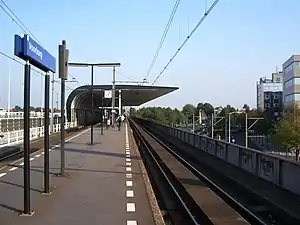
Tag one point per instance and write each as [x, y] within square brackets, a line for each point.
[13, 168]
[21, 164]
[31, 159]
[129, 194]
[129, 183]
[2, 174]
[130, 207]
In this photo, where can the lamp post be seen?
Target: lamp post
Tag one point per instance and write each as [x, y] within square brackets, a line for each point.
[92, 65]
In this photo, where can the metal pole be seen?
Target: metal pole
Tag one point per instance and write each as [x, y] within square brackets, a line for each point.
[226, 129]
[113, 96]
[246, 130]
[120, 102]
[92, 105]
[52, 105]
[212, 125]
[46, 135]
[8, 100]
[62, 128]
[26, 142]
[229, 128]
[102, 113]
[193, 122]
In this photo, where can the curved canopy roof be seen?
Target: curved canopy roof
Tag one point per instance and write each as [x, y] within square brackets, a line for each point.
[132, 95]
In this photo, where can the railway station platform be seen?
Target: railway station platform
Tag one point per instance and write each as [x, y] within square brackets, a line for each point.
[106, 184]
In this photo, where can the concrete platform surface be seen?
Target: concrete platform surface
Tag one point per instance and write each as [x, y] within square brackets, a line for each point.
[105, 185]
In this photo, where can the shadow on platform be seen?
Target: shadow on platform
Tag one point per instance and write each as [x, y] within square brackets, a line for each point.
[85, 151]
[10, 208]
[40, 169]
[19, 185]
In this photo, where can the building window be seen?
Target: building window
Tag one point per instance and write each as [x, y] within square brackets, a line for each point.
[288, 98]
[275, 104]
[267, 105]
[297, 97]
[275, 96]
[296, 80]
[267, 97]
[289, 83]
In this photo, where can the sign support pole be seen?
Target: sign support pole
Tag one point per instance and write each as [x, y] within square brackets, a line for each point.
[46, 136]
[26, 142]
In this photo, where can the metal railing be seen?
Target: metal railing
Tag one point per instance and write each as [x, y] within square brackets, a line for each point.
[16, 136]
[20, 115]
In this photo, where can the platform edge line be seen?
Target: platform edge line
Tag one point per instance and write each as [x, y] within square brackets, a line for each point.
[156, 213]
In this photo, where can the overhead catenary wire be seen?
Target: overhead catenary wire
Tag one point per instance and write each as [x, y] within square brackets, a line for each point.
[186, 40]
[33, 69]
[21, 25]
[163, 37]
[16, 19]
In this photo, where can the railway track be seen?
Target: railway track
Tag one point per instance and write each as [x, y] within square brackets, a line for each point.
[188, 196]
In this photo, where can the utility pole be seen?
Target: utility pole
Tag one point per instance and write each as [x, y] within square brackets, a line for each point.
[193, 122]
[57, 100]
[212, 125]
[226, 118]
[248, 128]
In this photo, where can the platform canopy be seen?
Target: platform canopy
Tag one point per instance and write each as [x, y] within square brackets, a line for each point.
[132, 95]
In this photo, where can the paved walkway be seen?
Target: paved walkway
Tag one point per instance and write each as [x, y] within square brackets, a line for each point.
[104, 186]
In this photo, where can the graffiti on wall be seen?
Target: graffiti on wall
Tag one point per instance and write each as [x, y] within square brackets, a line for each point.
[221, 148]
[267, 166]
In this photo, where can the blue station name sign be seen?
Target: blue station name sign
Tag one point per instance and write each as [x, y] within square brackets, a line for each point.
[29, 50]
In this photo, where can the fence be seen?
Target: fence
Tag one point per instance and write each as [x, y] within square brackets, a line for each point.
[16, 136]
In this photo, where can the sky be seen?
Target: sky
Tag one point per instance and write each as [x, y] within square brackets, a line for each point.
[239, 42]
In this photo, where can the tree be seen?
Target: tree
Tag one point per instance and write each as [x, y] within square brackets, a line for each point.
[132, 111]
[17, 109]
[246, 107]
[208, 109]
[165, 116]
[188, 110]
[287, 133]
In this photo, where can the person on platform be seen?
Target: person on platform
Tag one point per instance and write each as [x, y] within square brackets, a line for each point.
[119, 121]
[122, 119]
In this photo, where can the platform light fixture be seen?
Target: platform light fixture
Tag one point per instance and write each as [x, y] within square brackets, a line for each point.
[92, 65]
